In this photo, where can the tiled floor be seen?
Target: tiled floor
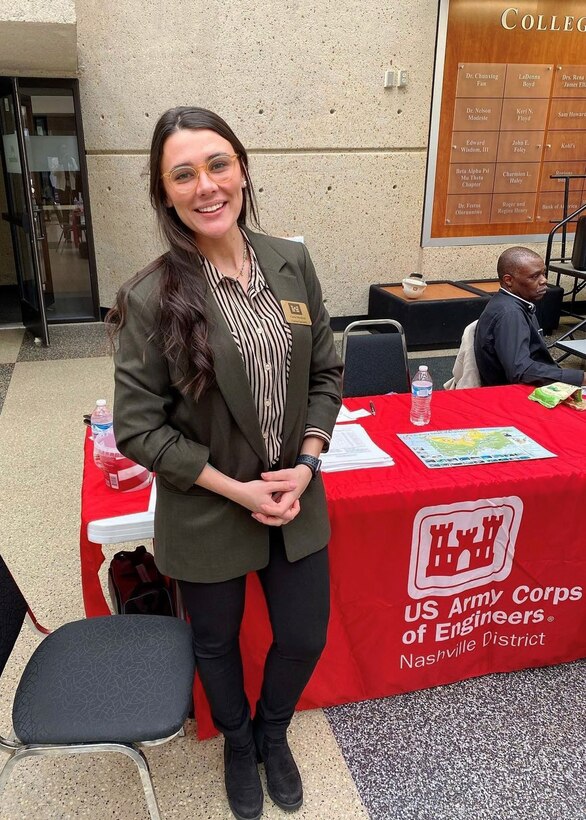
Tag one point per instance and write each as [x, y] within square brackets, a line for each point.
[503, 747]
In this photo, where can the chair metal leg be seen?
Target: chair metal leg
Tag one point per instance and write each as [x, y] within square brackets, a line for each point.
[145, 743]
[8, 767]
[147, 783]
[90, 748]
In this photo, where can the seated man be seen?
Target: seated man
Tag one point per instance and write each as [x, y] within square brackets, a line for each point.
[508, 345]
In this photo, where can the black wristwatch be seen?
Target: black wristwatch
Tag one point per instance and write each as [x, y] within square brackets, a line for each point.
[312, 462]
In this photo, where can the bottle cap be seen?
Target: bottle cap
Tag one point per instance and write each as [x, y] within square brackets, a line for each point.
[423, 367]
[101, 403]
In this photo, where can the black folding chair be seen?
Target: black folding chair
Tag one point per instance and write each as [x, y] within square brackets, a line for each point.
[97, 685]
[375, 363]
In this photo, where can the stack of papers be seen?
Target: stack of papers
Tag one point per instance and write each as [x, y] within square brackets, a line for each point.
[351, 448]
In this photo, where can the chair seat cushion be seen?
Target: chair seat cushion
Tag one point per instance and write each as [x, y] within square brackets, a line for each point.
[120, 678]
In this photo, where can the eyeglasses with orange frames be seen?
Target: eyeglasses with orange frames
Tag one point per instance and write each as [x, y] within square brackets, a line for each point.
[185, 177]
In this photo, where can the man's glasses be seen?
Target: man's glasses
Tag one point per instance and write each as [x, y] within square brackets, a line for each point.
[185, 177]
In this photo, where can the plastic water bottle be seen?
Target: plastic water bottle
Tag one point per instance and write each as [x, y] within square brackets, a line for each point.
[421, 389]
[101, 423]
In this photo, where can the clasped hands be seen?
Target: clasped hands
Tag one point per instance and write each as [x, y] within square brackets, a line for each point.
[274, 498]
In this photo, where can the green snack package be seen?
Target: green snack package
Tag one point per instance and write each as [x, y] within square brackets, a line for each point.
[550, 395]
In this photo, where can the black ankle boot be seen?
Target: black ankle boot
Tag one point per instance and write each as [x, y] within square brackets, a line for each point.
[283, 779]
[243, 785]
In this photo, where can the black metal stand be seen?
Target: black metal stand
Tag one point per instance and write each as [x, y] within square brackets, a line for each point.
[563, 266]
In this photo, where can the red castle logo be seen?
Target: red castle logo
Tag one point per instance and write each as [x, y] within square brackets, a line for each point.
[459, 546]
[468, 553]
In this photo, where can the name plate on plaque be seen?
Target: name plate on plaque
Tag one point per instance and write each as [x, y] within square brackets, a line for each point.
[550, 168]
[567, 114]
[480, 80]
[550, 206]
[506, 209]
[520, 114]
[465, 210]
[569, 81]
[565, 145]
[470, 145]
[516, 176]
[464, 178]
[477, 115]
[529, 81]
[520, 145]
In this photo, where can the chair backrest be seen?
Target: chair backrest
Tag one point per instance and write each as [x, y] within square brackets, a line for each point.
[375, 363]
[12, 611]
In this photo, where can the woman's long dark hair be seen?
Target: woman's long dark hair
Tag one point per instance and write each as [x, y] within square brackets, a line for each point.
[182, 329]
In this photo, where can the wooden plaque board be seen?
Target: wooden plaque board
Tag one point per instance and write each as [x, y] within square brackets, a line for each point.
[509, 110]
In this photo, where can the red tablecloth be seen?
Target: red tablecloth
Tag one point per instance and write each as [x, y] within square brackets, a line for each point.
[506, 542]
[99, 501]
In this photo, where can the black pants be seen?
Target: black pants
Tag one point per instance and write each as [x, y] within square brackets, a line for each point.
[298, 600]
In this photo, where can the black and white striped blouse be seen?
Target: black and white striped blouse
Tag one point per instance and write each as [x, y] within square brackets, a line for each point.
[263, 338]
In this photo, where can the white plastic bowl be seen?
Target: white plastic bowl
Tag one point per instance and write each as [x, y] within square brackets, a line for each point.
[413, 288]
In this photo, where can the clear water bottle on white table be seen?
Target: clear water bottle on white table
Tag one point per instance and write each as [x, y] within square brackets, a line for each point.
[101, 422]
[421, 390]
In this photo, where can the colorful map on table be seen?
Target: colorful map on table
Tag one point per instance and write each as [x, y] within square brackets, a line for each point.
[483, 445]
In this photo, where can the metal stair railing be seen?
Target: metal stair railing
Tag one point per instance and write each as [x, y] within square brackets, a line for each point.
[562, 264]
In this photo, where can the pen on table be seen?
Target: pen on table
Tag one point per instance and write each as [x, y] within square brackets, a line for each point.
[372, 409]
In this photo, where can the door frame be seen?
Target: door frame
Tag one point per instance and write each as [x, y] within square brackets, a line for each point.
[89, 231]
[30, 320]
[33, 318]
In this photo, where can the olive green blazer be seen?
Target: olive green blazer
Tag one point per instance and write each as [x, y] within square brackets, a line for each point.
[199, 535]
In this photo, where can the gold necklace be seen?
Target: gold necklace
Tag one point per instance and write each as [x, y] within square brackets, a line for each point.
[244, 258]
[241, 270]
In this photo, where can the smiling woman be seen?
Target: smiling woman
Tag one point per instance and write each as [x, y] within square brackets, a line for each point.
[203, 183]
[228, 385]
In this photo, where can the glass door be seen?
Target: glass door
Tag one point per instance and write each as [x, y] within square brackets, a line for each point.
[60, 202]
[25, 223]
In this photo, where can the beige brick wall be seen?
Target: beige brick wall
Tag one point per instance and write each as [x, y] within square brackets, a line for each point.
[335, 156]
[38, 38]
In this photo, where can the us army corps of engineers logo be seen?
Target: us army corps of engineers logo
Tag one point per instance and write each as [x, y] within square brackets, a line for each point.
[456, 547]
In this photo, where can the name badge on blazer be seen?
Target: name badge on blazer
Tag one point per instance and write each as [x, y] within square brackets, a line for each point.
[296, 313]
